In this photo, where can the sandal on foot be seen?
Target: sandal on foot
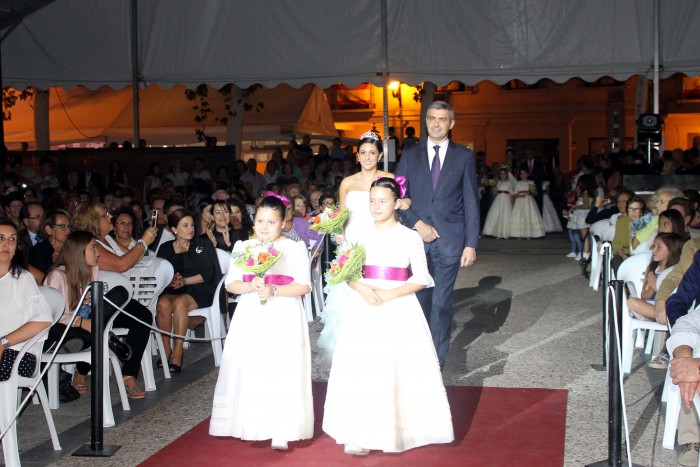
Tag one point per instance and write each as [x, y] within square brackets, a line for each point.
[82, 388]
[134, 392]
[176, 368]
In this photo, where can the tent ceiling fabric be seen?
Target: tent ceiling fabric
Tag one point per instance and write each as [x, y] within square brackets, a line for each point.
[72, 42]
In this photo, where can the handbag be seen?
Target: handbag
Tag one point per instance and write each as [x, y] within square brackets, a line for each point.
[26, 366]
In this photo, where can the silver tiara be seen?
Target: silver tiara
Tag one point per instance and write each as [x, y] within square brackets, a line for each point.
[371, 135]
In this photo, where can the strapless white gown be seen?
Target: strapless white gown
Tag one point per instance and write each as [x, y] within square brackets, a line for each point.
[360, 221]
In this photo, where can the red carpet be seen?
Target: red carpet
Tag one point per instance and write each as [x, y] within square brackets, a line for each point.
[493, 427]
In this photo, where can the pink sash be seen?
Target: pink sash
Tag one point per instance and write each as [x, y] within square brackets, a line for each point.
[272, 279]
[386, 273]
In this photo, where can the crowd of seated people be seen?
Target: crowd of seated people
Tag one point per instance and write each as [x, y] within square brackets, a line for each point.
[70, 225]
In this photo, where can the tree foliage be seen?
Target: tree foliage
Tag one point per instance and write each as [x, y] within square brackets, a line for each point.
[10, 97]
[203, 110]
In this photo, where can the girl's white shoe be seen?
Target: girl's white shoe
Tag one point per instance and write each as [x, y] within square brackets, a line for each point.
[356, 450]
[279, 445]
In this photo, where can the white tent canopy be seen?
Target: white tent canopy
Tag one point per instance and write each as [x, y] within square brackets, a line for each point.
[167, 117]
[87, 42]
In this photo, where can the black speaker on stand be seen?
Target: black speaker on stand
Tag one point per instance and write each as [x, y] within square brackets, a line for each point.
[649, 128]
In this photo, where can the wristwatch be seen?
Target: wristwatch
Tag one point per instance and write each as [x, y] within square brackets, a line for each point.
[4, 342]
[143, 243]
[275, 291]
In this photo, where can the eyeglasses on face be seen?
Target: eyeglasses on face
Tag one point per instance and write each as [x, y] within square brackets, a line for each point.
[635, 209]
[107, 215]
[126, 223]
[61, 226]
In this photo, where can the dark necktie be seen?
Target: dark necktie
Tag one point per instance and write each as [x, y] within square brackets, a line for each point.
[435, 168]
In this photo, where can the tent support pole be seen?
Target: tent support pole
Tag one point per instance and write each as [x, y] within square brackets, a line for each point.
[385, 78]
[656, 56]
[135, 71]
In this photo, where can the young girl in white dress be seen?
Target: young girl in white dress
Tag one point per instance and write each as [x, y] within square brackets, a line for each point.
[549, 213]
[264, 386]
[385, 390]
[526, 220]
[497, 222]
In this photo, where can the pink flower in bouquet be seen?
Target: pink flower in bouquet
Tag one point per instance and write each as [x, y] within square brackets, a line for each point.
[249, 262]
[341, 260]
[272, 251]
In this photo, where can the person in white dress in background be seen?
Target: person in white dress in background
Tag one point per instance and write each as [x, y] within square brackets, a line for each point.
[354, 195]
[264, 386]
[385, 390]
[497, 222]
[526, 220]
[550, 218]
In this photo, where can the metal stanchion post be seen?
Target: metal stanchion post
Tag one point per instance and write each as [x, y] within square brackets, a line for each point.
[606, 310]
[96, 448]
[614, 394]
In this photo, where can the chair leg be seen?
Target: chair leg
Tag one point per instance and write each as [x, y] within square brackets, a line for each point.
[673, 408]
[10, 448]
[158, 343]
[215, 331]
[149, 380]
[650, 341]
[44, 400]
[639, 342]
[52, 375]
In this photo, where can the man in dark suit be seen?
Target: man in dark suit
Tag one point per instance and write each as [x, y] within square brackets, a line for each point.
[441, 182]
[89, 178]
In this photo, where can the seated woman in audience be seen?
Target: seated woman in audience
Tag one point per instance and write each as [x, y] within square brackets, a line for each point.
[95, 218]
[219, 230]
[121, 240]
[666, 251]
[287, 176]
[197, 273]
[75, 268]
[297, 228]
[241, 222]
[301, 207]
[603, 218]
[621, 243]
[25, 312]
[56, 226]
[645, 230]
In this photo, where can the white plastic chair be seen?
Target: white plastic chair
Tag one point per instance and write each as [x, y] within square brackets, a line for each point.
[114, 279]
[672, 396]
[86, 356]
[11, 390]
[596, 263]
[212, 313]
[631, 272]
[149, 277]
[314, 300]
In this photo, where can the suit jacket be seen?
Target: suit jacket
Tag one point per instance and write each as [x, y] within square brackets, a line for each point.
[95, 179]
[538, 174]
[453, 207]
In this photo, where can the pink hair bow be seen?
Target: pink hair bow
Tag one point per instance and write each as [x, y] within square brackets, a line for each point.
[401, 181]
[284, 199]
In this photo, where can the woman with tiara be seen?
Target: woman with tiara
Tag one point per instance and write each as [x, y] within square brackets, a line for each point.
[385, 390]
[353, 195]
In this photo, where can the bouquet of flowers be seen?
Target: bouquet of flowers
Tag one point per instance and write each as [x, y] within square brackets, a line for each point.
[330, 220]
[257, 258]
[347, 265]
[532, 188]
